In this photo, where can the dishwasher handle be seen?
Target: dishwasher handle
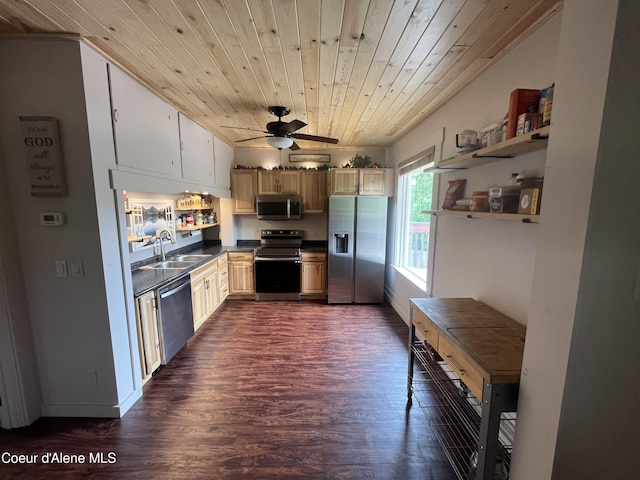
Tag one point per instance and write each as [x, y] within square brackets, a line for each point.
[174, 290]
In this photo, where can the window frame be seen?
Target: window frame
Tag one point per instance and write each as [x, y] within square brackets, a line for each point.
[425, 160]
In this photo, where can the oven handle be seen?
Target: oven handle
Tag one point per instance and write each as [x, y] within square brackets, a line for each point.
[278, 259]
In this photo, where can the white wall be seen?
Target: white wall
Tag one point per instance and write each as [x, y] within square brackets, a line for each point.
[19, 381]
[70, 317]
[573, 281]
[248, 227]
[488, 260]
[579, 386]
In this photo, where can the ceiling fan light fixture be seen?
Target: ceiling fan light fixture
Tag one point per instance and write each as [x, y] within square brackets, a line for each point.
[280, 142]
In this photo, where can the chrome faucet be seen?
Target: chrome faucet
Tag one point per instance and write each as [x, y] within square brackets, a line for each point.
[159, 236]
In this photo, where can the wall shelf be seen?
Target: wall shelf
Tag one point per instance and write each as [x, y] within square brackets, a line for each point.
[512, 217]
[529, 142]
[134, 239]
[196, 227]
[194, 209]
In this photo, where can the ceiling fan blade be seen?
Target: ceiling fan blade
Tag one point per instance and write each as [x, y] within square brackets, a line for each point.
[247, 139]
[292, 126]
[243, 128]
[294, 146]
[313, 138]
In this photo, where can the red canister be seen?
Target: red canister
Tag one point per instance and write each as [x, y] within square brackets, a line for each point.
[479, 201]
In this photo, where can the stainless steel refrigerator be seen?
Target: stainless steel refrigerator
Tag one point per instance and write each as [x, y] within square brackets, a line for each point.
[357, 249]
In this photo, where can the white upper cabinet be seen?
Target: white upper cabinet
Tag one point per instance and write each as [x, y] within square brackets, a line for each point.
[145, 127]
[223, 154]
[197, 152]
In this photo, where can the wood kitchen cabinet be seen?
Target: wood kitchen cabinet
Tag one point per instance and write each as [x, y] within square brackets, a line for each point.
[314, 191]
[241, 281]
[344, 181]
[148, 337]
[204, 292]
[209, 288]
[223, 278]
[362, 181]
[278, 182]
[314, 273]
[244, 188]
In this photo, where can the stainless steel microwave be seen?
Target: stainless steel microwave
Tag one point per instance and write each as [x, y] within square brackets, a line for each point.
[279, 207]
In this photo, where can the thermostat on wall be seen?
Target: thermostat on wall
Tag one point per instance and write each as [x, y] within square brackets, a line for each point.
[51, 219]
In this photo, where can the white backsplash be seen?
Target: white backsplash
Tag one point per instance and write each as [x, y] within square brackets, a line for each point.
[249, 227]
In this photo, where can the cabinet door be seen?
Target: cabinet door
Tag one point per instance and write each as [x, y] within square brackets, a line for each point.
[372, 181]
[241, 278]
[314, 191]
[223, 155]
[344, 181]
[243, 191]
[199, 302]
[145, 127]
[211, 282]
[223, 278]
[268, 182]
[313, 277]
[289, 182]
[197, 152]
[148, 320]
[278, 182]
[204, 292]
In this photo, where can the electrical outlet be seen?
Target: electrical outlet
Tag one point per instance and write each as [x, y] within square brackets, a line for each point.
[91, 376]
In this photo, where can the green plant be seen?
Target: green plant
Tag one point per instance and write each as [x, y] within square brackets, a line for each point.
[360, 162]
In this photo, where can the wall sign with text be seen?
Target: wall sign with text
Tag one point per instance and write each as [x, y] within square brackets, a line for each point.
[41, 139]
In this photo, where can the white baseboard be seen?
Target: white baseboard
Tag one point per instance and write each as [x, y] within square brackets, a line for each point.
[91, 411]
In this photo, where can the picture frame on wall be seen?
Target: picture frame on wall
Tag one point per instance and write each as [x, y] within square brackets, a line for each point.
[146, 217]
[41, 137]
[309, 157]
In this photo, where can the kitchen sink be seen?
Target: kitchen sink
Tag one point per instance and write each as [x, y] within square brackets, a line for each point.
[173, 264]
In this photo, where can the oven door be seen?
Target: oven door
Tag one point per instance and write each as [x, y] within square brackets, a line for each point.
[277, 278]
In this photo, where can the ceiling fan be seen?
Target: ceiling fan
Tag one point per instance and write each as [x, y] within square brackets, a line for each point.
[281, 134]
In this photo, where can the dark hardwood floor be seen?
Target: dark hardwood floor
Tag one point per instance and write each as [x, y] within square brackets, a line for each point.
[267, 390]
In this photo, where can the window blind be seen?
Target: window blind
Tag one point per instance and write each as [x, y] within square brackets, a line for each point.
[420, 160]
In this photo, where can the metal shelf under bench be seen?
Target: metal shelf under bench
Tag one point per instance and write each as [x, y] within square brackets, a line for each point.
[471, 358]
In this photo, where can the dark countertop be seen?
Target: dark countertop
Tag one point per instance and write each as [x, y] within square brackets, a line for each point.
[145, 280]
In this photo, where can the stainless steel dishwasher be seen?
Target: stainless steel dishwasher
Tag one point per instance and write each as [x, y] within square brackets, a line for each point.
[175, 317]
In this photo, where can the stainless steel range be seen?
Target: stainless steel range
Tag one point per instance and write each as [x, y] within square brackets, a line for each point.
[278, 265]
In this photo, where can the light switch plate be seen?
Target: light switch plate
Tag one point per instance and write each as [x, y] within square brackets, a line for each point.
[76, 268]
[61, 268]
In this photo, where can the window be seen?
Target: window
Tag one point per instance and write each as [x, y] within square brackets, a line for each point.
[413, 228]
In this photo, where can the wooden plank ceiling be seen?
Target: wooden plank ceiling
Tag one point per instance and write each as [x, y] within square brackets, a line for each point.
[362, 71]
